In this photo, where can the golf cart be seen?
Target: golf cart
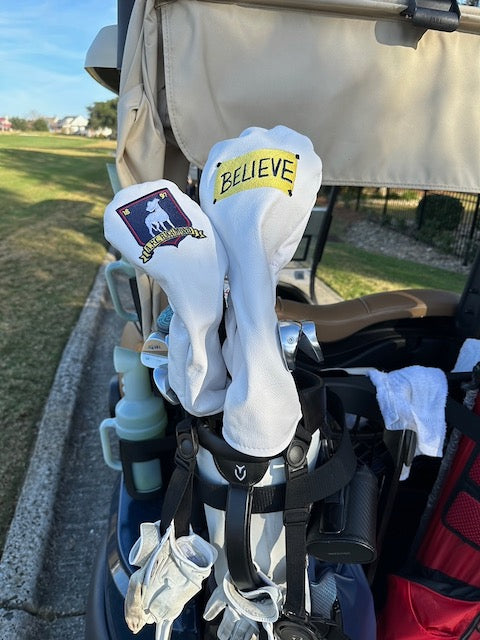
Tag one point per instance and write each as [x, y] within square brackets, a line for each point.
[351, 526]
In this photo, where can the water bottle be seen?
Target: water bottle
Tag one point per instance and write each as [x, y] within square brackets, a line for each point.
[111, 271]
[139, 416]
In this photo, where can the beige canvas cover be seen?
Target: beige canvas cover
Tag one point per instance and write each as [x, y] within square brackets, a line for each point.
[385, 103]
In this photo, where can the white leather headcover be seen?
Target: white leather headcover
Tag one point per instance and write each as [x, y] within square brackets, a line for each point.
[258, 190]
[160, 230]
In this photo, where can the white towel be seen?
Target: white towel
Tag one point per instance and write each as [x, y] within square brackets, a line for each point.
[468, 356]
[258, 190]
[162, 231]
[414, 398]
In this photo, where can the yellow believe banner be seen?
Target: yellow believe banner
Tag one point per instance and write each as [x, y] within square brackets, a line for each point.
[261, 168]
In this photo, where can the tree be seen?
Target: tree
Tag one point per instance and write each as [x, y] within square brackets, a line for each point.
[40, 124]
[19, 124]
[103, 114]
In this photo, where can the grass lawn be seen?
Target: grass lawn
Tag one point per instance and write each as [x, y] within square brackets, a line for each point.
[353, 272]
[53, 191]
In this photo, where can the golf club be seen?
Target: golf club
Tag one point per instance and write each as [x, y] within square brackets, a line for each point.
[308, 342]
[155, 350]
[289, 333]
[160, 377]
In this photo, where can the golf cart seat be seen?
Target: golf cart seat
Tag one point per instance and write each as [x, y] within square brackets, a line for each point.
[343, 319]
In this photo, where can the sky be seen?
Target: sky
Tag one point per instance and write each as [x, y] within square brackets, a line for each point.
[43, 44]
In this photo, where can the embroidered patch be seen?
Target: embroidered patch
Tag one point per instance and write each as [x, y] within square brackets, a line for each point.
[261, 168]
[157, 220]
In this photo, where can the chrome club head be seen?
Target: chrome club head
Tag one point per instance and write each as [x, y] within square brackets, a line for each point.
[289, 333]
[155, 350]
[308, 343]
[160, 377]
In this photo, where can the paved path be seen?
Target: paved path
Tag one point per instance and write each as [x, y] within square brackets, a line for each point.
[62, 512]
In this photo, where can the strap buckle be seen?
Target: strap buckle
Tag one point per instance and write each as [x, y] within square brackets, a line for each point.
[187, 445]
[296, 454]
[294, 627]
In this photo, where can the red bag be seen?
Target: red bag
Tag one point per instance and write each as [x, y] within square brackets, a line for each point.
[415, 612]
[422, 607]
[452, 541]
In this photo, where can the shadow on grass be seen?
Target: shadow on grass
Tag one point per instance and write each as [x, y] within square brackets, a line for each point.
[12, 202]
[26, 222]
[73, 172]
[50, 253]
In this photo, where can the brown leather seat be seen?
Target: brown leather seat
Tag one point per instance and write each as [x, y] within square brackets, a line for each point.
[343, 319]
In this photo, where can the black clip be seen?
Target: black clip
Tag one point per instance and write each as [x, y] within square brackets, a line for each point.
[439, 15]
[187, 445]
[296, 454]
[290, 626]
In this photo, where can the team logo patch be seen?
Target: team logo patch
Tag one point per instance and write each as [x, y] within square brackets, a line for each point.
[157, 220]
[261, 168]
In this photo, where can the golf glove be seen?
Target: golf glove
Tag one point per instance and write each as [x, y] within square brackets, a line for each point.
[258, 190]
[243, 610]
[233, 626]
[172, 575]
[161, 231]
[139, 555]
[148, 541]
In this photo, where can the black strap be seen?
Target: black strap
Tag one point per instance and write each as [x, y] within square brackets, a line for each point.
[295, 620]
[312, 396]
[323, 481]
[295, 518]
[298, 505]
[144, 450]
[241, 477]
[237, 538]
[463, 419]
[177, 504]
[132, 451]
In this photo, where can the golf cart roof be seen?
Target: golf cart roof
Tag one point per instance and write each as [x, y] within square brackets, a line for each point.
[386, 98]
[385, 102]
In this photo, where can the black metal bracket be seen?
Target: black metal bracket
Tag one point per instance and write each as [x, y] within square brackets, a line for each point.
[439, 15]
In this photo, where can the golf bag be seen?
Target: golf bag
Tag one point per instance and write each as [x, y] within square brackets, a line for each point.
[262, 448]
[438, 594]
[269, 518]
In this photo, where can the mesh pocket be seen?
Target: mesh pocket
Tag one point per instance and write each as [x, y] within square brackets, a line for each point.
[463, 517]
[474, 474]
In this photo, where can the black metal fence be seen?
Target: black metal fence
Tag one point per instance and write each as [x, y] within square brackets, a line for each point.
[402, 209]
